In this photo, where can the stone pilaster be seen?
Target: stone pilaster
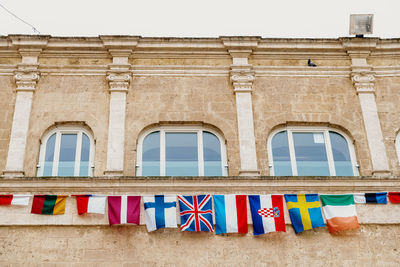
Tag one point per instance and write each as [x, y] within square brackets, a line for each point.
[26, 77]
[119, 77]
[364, 83]
[242, 78]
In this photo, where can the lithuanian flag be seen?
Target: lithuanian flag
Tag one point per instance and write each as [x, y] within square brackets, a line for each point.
[48, 204]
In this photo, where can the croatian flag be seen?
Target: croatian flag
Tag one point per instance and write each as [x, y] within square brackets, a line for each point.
[196, 213]
[123, 209]
[14, 200]
[230, 214]
[375, 198]
[90, 204]
[267, 213]
[160, 212]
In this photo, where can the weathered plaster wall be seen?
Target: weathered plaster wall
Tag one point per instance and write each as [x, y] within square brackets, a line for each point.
[7, 102]
[69, 99]
[181, 100]
[132, 246]
[387, 101]
[311, 100]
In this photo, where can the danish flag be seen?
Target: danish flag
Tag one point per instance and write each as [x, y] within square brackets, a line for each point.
[196, 213]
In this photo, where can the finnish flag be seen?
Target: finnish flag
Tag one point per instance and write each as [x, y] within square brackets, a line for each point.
[160, 212]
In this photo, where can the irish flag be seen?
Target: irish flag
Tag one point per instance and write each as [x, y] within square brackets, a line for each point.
[48, 204]
[14, 200]
[340, 212]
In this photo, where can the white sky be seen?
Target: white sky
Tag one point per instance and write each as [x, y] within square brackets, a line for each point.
[201, 18]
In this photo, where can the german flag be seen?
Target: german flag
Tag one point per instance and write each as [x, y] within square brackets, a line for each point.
[48, 204]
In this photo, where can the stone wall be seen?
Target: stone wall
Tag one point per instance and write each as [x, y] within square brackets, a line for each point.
[69, 99]
[181, 100]
[372, 245]
[7, 101]
[308, 101]
[388, 99]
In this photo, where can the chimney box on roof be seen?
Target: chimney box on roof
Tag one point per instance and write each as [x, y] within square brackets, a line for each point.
[361, 24]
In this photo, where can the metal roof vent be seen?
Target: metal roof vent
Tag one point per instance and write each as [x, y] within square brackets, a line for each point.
[361, 24]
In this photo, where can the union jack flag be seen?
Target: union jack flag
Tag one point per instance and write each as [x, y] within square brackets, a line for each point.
[196, 213]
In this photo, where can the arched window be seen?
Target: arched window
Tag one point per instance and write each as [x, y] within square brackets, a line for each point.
[181, 151]
[66, 151]
[311, 151]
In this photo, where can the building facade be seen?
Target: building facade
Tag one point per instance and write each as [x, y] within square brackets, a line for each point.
[131, 115]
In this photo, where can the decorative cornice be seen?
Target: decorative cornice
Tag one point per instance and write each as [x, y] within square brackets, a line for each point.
[152, 185]
[29, 41]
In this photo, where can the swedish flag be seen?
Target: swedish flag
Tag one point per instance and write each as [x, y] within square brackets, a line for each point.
[305, 211]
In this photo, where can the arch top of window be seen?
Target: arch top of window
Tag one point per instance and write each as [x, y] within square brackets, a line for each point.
[181, 150]
[66, 150]
[311, 151]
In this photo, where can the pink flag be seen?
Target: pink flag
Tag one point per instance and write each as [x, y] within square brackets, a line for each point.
[123, 209]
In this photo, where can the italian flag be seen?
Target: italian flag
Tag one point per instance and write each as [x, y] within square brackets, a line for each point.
[48, 204]
[340, 212]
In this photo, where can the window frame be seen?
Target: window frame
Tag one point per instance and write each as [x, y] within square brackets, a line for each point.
[328, 147]
[59, 130]
[181, 129]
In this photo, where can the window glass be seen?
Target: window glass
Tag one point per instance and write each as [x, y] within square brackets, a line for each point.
[310, 154]
[66, 165]
[49, 156]
[281, 155]
[212, 155]
[85, 151]
[341, 155]
[181, 155]
[151, 155]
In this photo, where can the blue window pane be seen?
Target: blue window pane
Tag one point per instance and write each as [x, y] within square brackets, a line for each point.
[310, 154]
[49, 156]
[212, 155]
[84, 167]
[341, 155]
[151, 155]
[66, 164]
[281, 155]
[181, 154]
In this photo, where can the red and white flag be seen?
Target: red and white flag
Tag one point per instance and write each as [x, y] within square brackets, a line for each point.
[90, 204]
[14, 200]
[123, 209]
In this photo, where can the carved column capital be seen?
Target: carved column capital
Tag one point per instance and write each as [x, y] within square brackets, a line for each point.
[119, 82]
[242, 78]
[26, 80]
[363, 82]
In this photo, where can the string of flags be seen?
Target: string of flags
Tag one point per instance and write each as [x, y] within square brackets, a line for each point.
[196, 211]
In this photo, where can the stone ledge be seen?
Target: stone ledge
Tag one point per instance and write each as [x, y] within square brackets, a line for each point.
[230, 184]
